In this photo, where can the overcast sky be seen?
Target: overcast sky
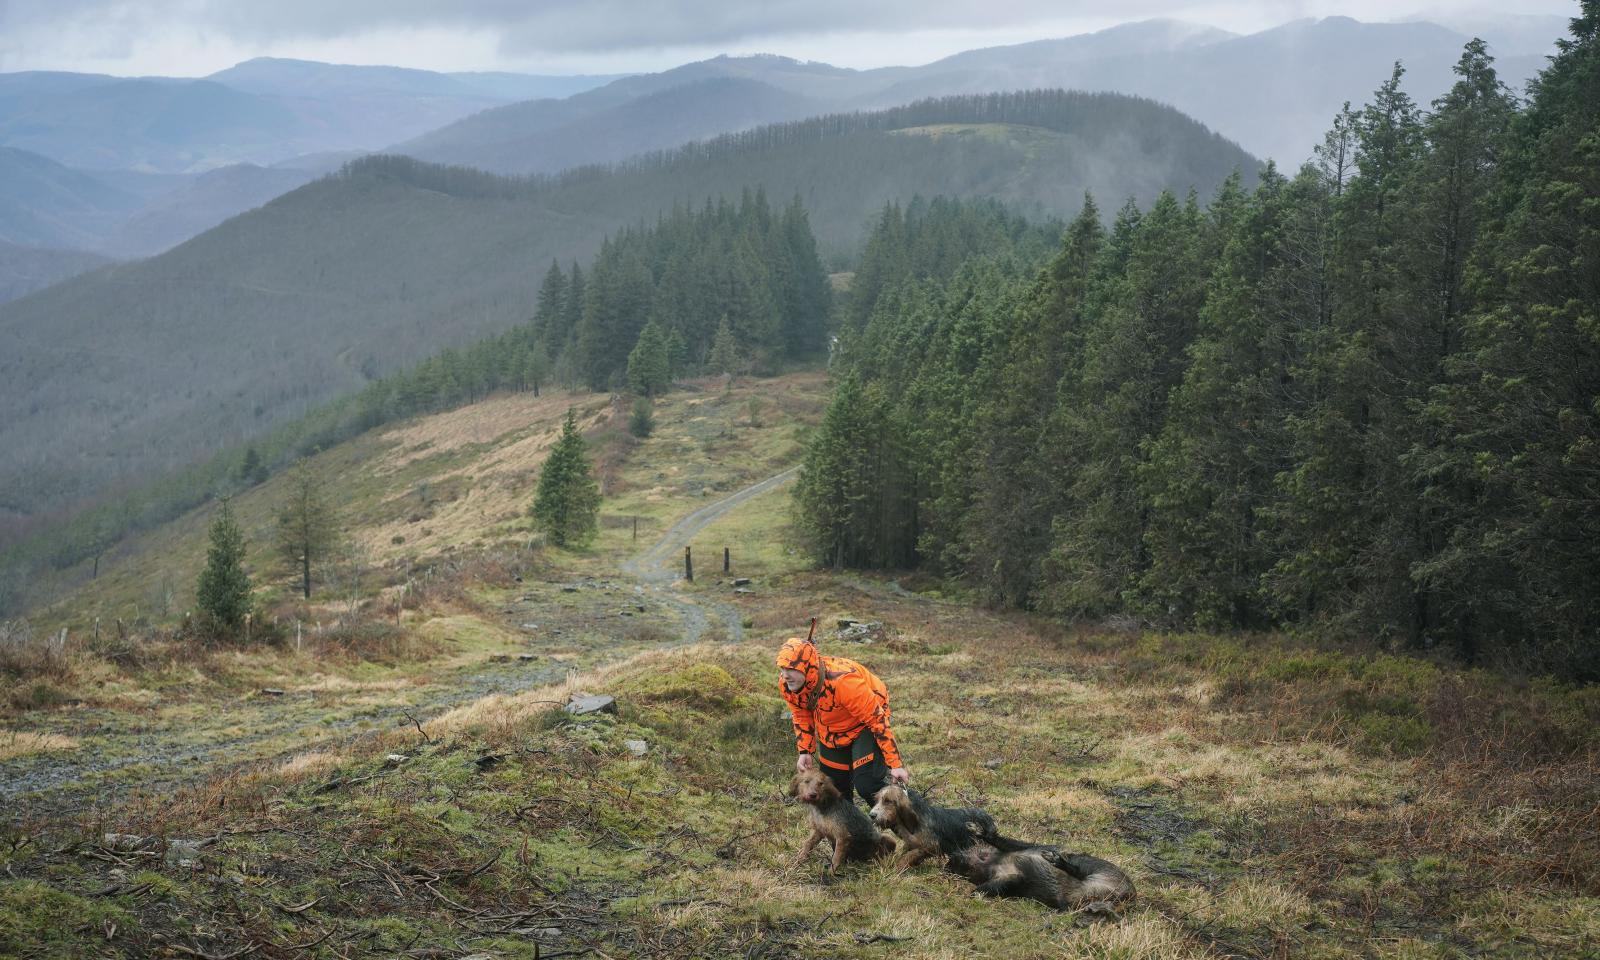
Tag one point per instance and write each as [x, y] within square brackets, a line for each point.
[196, 37]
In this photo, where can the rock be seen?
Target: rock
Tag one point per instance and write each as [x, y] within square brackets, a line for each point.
[854, 631]
[639, 607]
[488, 761]
[530, 626]
[743, 590]
[123, 842]
[525, 657]
[569, 588]
[582, 706]
[741, 581]
[183, 853]
[624, 613]
[994, 764]
[271, 692]
[394, 760]
[637, 747]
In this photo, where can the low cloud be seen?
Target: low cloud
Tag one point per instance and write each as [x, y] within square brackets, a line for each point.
[605, 28]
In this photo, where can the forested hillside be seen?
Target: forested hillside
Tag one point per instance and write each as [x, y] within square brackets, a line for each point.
[360, 275]
[1363, 400]
[26, 269]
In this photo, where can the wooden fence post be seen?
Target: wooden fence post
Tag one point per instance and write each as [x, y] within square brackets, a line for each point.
[688, 564]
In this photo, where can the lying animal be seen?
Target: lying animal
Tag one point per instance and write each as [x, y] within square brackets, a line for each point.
[926, 830]
[836, 818]
[1046, 874]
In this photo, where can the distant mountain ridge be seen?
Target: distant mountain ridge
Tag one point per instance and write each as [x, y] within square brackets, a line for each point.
[1274, 92]
[360, 274]
[262, 111]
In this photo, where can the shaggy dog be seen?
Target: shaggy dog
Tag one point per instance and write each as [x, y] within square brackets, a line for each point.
[1046, 874]
[836, 818]
[926, 830]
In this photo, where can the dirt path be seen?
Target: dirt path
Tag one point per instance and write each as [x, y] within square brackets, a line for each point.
[124, 751]
[657, 567]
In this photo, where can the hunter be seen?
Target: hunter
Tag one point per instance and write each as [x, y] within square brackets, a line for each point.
[841, 713]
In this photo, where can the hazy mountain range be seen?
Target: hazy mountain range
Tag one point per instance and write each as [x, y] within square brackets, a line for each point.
[278, 123]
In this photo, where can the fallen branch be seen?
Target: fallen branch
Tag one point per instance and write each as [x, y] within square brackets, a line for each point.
[421, 732]
[242, 951]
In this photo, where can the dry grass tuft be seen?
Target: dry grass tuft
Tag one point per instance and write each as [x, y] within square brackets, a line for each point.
[309, 764]
[22, 743]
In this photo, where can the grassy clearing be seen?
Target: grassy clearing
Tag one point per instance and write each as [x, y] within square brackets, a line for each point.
[1255, 810]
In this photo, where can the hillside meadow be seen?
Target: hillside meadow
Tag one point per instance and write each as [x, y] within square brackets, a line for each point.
[1267, 798]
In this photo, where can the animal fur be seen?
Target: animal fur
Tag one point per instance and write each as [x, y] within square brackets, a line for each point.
[926, 830]
[1049, 875]
[835, 818]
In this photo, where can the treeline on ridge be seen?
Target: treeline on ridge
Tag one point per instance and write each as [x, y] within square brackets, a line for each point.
[744, 272]
[1363, 401]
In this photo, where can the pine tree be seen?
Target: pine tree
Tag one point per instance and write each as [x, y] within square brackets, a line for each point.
[307, 528]
[1134, 354]
[1211, 470]
[251, 470]
[566, 505]
[1008, 527]
[650, 362]
[1344, 525]
[550, 314]
[833, 497]
[223, 589]
[724, 356]
[1516, 466]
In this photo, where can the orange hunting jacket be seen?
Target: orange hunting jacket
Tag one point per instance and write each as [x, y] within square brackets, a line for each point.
[851, 699]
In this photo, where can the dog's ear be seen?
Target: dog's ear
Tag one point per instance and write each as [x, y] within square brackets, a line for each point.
[826, 791]
[794, 786]
[906, 813]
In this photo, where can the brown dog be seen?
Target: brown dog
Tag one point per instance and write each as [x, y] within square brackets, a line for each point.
[926, 830]
[836, 818]
[1046, 874]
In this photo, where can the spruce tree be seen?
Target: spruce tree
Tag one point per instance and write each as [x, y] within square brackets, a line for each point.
[1134, 354]
[724, 356]
[834, 495]
[566, 505]
[550, 314]
[223, 589]
[307, 528]
[1516, 465]
[650, 362]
